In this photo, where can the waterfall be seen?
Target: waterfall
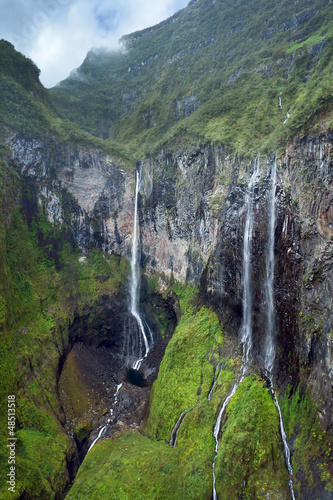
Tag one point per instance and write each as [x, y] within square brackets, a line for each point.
[246, 331]
[246, 338]
[270, 341]
[119, 386]
[218, 370]
[104, 428]
[175, 430]
[100, 434]
[217, 428]
[135, 284]
[286, 450]
[269, 289]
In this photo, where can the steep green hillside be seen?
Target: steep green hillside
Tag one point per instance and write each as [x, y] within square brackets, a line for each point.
[26, 106]
[42, 286]
[140, 467]
[213, 72]
[220, 82]
[249, 464]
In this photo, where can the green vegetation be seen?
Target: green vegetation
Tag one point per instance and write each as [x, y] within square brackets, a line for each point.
[187, 360]
[20, 68]
[207, 77]
[250, 460]
[235, 60]
[42, 461]
[43, 284]
[163, 471]
[313, 446]
[26, 107]
[134, 466]
[138, 466]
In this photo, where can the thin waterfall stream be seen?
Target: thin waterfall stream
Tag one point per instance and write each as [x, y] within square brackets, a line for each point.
[144, 333]
[180, 421]
[246, 332]
[175, 430]
[103, 429]
[218, 370]
[145, 340]
[269, 285]
[217, 429]
[270, 340]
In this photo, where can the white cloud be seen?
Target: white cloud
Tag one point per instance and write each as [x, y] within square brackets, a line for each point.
[57, 34]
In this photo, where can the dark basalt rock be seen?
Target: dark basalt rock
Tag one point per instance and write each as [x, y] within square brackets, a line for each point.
[101, 356]
[192, 216]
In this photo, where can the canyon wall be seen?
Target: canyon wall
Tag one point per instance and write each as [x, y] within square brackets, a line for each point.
[192, 216]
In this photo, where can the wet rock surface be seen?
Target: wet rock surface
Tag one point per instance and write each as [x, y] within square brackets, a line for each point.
[192, 217]
[310, 166]
[85, 188]
[99, 362]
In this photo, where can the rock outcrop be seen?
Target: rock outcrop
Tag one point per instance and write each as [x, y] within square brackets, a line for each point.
[192, 217]
[192, 222]
[87, 189]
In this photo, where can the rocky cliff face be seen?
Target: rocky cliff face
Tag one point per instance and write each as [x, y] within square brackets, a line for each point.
[180, 210]
[192, 221]
[310, 171]
[85, 188]
[192, 218]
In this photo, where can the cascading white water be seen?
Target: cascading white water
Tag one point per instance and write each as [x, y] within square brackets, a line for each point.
[270, 341]
[246, 332]
[104, 428]
[100, 434]
[217, 428]
[286, 450]
[134, 306]
[269, 288]
[246, 337]
[135, 283]
[119, 386]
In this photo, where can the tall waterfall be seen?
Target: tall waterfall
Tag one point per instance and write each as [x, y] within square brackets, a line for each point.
[135, 284]
[246, 332]
[269, 289]
[246, 337]
[270, 340]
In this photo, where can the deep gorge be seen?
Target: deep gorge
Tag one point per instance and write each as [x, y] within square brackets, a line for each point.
[166, 279]
[175, 245]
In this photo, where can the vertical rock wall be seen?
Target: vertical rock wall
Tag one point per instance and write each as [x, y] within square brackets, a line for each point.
[192, 216]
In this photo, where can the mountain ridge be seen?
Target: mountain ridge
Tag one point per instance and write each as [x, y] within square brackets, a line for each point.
[233, 68]
[197, 120]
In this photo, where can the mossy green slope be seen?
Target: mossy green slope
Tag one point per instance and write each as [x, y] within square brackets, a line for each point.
[312, 458]
[213, 72]
[144, 466]
[43, 285]
[250, 462]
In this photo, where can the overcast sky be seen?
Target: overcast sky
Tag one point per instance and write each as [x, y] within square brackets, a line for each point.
[57, 34]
